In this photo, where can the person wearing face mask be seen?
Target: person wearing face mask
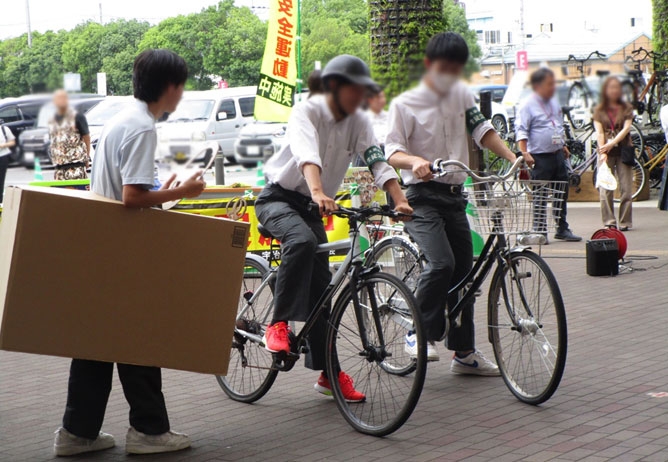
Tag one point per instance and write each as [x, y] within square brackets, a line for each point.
[540, 137]
[429, 122]
[324, 132]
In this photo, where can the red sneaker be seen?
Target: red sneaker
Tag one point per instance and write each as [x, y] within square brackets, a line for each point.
[276, 338]
[349, 393]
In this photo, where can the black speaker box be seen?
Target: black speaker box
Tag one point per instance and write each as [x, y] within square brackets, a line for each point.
[602, 257]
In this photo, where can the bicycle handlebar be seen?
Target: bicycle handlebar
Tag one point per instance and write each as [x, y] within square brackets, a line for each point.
[364, 213]
[439, 168]
[584, 60]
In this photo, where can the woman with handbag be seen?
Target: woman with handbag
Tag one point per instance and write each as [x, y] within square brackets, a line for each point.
[613, 118]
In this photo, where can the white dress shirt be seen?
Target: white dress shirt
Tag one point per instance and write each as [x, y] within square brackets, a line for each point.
[379, 124]
[426, 124]
[315, 137]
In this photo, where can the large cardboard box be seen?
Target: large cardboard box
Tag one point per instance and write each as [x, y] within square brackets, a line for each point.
[84, 277]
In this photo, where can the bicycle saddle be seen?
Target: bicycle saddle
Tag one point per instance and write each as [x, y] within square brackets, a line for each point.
[602, 72]
[264, 231]
[636, 72]
[567, 109]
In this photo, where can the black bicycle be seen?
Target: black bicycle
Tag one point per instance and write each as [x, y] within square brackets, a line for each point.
[525, 310]
[365, 335]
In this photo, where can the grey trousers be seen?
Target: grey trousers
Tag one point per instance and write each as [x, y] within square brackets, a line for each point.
[303, 274]
[625, 175]
[443, 234]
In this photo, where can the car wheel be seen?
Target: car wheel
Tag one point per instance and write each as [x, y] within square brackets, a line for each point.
[500, 125]
[231, 160]
[249, 164]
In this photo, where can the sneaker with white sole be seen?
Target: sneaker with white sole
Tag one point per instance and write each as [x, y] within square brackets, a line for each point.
[474, 364]
[140, 443]
[411, 347]
[67, 444]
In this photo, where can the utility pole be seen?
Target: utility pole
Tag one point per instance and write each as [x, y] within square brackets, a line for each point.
[28, 22]
[101, 21]
[522, 33]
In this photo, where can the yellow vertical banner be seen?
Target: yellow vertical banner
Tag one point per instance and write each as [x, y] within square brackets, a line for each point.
[278, 75]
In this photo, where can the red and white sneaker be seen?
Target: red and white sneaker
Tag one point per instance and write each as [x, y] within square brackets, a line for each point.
[276, 338]
[349, 393]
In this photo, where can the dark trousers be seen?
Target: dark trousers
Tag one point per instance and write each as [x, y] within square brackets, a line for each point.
[88, 392]
[552, 167]
[303, 274]
[443, 234]
[4, 163]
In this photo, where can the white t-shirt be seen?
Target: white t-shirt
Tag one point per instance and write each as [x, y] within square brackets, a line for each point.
[315, 137]
[379, 124]
[6, 135]
[125, 153]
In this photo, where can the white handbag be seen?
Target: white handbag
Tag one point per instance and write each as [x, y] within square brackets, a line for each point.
[604, 178]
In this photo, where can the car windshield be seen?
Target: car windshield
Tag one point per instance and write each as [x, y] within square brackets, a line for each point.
[45, 114]
[100, 114]
[190, 110]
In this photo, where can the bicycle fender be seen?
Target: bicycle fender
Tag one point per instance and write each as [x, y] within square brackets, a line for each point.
[259, 260]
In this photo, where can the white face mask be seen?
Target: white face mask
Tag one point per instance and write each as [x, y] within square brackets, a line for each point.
[443, 82]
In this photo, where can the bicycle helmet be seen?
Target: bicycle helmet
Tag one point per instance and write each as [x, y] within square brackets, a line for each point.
[613, 233]
[350, 68]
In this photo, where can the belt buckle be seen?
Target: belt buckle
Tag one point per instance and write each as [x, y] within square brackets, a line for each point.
[455, 189]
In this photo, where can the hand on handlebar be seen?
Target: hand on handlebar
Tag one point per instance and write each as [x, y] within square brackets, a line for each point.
[405, 212]
[422, 169]
[528, 159]
[326, 205]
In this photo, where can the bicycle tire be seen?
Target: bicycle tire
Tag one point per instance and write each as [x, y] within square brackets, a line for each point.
[238, 374]
[533, 329]
[657, 99]
[387, 406]
[639, 179]
[577, 98]
[499, 166]
[638, 140]
[398, 256]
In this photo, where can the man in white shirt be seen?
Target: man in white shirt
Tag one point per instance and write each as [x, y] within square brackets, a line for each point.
[7, 141]
[324, 132]
[426, 123]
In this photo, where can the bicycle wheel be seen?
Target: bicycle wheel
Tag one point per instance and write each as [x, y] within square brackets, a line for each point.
[250, 373]
[577, 99]
[499, 166]
[398, 256]
[638, 141]
[527, 327]
[657, 99]
[385, 310]
[639, 179]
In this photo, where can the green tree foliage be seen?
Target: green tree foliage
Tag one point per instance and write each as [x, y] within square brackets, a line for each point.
[455, 21]
[660, 35]
[333, 27]
[400, 30]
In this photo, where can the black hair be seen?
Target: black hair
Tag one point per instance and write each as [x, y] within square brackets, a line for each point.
[315, 84]
[154, 71]
[374, 90]
[539, 76]
[448, 46]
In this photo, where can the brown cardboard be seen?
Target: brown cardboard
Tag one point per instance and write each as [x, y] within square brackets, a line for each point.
[82, 276]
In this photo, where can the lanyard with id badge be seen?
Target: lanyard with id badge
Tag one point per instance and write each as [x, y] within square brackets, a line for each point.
[612, 119]
[557, 140]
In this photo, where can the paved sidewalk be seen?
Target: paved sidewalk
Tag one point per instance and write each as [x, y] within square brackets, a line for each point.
[603, 410]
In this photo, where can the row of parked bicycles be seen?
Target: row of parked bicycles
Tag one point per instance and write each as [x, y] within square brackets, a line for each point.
[648, 92]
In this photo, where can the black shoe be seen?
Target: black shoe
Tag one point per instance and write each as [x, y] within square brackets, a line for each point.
[567, 235]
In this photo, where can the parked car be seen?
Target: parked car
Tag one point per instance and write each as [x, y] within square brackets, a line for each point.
[203, 116]
[498, 91]
[100, 114]
[34, 143]
[258, 142]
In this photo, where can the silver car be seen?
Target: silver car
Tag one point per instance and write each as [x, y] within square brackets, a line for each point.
[257, 142]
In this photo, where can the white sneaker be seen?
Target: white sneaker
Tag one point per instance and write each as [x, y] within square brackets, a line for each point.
[474, 364]
[411, 347]
[140, 443]
[67, 444]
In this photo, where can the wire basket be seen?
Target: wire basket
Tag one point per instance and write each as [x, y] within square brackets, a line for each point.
[516, 206]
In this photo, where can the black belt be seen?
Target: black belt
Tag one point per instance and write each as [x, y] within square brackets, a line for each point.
[69, 166]
[448, 188]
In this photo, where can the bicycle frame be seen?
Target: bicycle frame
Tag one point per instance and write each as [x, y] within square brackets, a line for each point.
[351, 271]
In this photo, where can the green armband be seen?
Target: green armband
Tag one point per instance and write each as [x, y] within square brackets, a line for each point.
[373, 155]
[473, 118]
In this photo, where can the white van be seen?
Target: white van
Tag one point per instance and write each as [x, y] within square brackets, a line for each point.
[204, 116]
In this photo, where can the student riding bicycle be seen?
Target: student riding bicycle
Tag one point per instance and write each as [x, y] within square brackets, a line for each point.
[324, 133]
[426, 123]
